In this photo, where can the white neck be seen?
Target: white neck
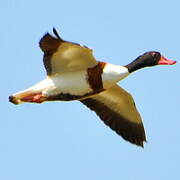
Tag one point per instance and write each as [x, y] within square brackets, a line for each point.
[113, 74]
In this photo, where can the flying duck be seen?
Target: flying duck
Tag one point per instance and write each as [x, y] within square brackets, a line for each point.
[73, 73]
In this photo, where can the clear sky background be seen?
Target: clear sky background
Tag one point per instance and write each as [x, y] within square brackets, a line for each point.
[66, 140]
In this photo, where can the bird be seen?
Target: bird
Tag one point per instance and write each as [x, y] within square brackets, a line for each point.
[73, 73]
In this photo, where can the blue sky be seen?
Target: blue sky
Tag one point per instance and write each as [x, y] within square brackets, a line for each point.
[66, 140]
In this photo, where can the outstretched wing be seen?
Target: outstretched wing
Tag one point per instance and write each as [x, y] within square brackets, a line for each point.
[62, 56]
[117, 109]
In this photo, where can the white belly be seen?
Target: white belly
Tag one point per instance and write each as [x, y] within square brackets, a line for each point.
[74, 83]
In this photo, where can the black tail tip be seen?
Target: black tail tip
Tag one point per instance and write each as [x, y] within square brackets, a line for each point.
[12, 99]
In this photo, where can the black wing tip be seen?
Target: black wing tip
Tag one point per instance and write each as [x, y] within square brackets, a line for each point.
[47, 35]
[43, 41]
[56, 34]
[142, 143]
[132, 132]
[129, 131]
[136, 135]
[138, 141]
[50, 42]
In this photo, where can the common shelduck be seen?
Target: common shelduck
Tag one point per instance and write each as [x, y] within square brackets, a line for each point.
[73, 73]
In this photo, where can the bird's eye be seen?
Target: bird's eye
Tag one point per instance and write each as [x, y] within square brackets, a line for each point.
[155, 55]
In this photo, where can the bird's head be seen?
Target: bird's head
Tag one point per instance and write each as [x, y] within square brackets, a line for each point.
[153, 58]
[148, 59]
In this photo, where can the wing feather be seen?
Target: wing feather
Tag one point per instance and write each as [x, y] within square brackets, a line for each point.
[117, 109]
[62, 56]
